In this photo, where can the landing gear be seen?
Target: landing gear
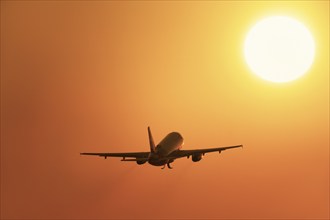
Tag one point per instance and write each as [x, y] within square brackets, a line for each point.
[168, 165]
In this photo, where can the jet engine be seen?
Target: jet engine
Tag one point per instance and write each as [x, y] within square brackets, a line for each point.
[140, 162]
[196, 157]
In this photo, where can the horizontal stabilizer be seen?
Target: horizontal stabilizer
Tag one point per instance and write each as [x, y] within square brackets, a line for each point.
[136, 159]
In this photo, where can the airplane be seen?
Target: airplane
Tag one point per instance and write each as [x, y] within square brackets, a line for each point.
[168, 150]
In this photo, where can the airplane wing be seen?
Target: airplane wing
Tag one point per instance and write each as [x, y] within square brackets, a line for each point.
[187, 153]
[138, 155]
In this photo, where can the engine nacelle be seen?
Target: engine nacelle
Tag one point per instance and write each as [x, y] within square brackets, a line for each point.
[140, 162]
[196, 157]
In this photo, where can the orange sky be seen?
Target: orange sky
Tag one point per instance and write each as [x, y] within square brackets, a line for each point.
[91, 76]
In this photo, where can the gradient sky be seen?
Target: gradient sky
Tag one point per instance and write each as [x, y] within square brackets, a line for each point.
[91, 76]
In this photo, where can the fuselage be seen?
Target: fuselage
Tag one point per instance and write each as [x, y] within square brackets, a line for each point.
[172, 142]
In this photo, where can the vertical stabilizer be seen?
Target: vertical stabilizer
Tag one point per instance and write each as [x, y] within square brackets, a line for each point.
[151, 141]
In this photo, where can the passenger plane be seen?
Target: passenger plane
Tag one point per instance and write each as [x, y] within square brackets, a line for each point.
[168, 150]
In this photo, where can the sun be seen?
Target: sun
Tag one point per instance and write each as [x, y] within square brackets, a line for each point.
[279, 49]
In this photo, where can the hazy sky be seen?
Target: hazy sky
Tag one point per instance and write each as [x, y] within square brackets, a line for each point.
[91, 76]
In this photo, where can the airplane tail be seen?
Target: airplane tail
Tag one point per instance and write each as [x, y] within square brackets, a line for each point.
[151, 141]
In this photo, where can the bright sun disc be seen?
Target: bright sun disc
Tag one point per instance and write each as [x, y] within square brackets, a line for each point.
[279, 49]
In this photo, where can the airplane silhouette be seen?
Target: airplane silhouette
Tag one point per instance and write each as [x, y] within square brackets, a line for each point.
[168, 150]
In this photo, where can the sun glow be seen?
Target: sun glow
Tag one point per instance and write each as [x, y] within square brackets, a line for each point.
[279, 49]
